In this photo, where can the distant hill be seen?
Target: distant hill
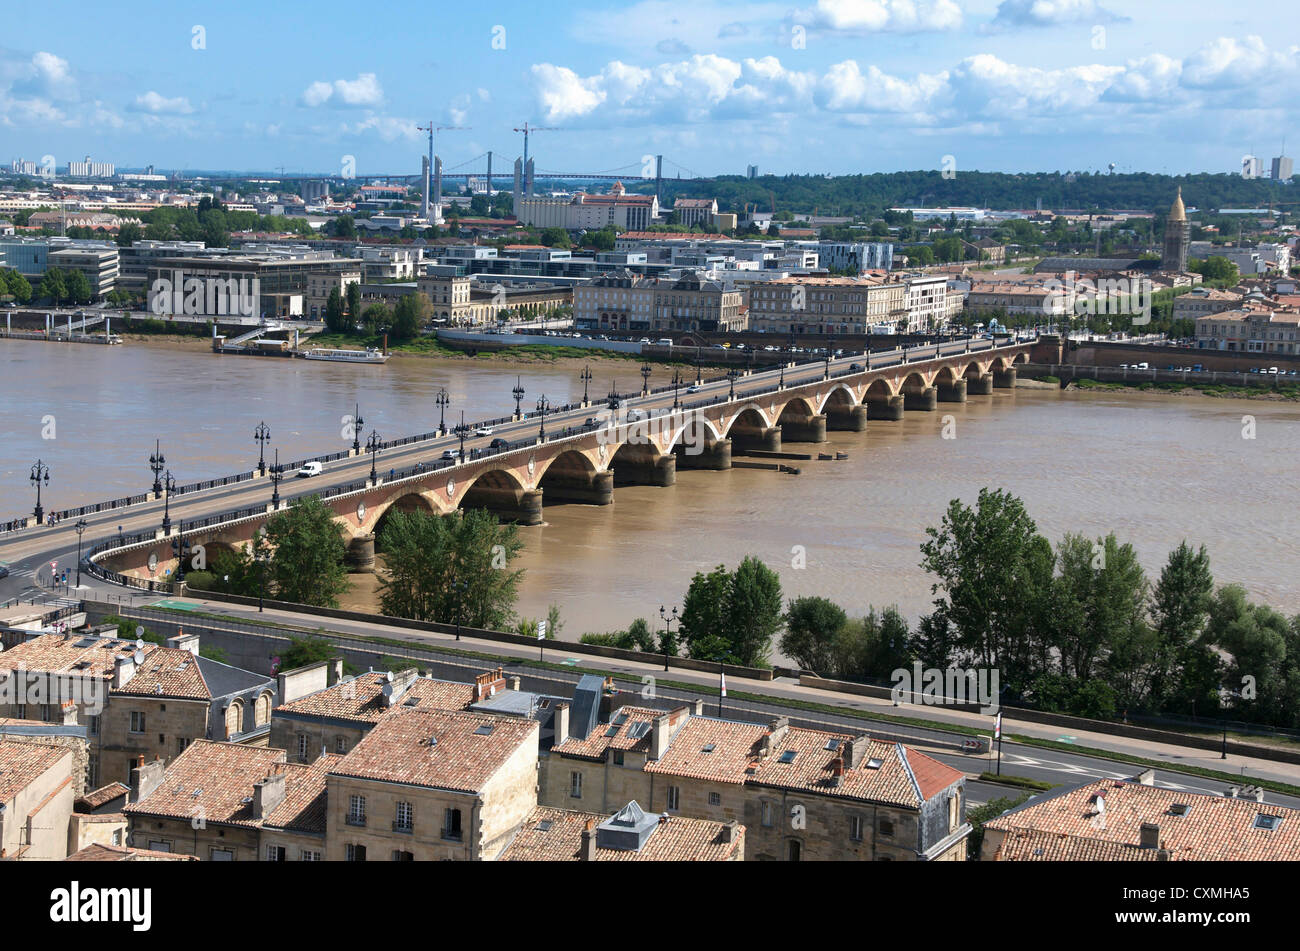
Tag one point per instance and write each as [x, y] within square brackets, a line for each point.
[869, 194]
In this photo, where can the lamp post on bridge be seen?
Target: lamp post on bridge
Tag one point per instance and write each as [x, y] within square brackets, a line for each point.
[357, 423]
[157, 463]
[543, 407]
[732, 374]
[646, 370]
[462, 431]
[518, 393]
[180, 550]
[677, 382]
[40, 472]
[698, 366]
[80, 528]
[277, 475]
[372, 447]
[585, 377]
[263, 435]
[614, 400]
[169, 485]
[669, 620]
[443, 401]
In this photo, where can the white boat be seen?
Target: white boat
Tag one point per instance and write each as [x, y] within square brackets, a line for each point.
[369, 355]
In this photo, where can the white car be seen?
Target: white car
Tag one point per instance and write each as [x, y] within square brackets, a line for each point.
[310, 469]
[483, 431]
[450, 454]
[694, 388]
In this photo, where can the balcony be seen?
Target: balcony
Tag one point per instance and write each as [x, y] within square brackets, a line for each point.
[451, 835]
[355, 820]
[406, 828]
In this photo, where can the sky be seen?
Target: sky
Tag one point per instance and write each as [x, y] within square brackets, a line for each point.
[810, 86]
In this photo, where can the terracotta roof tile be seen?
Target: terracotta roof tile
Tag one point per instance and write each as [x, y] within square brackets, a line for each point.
[212, 779]
[168, 672]
[23, 763]
[675, 840]
[98, 852]
[360, 699]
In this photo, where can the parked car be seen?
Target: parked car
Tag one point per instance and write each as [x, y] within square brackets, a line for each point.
[855, 367]
[4, 571]
[694, 388]
[310, 469]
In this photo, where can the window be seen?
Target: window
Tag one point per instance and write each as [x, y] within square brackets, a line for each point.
[618, 757]
[275, 853]
[856, 826]
[674, 797]
[137, 721]
[793, 850]
[309, 855]
[356, 853]
[400, 856]
[451, 825]
[767, 814]
[575, 785]
[340, 744]
[221, 855]
[356, 810]
[405, 820]
[181, 743]
[715, 799]
[117, 836]
[886, 826]
[302, 745]
[160, 845]
[93, 723]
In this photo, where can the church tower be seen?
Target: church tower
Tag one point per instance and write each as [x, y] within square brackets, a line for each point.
[1178, 234]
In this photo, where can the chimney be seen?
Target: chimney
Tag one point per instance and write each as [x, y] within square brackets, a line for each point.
[145, 778]
[1231, 792]
[1150, 836]
[730, 831]
[698, 708]
[854, 751]
[268, 794]
[1147, 777]
[185, 642]
[778, 728]
[660, 735]
[338, 671]
[588, 852]
[396, 685]
[123, 670]
[837, 771]
[489, 683]
[1164, 855]
[561, 723]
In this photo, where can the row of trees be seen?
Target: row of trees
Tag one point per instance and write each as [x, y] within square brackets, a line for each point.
[403, 321]
[14, 284]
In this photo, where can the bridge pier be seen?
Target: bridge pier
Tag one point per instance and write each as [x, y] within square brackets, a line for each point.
[360, 556]
[595, 489]
[764, 439]
[714, 455]
[891, 407]
[521, 506]
[804, 428]
[1004, 379]
[981, 385]
[952, 392]
[849, 419]
[646, 469]
[926, 398]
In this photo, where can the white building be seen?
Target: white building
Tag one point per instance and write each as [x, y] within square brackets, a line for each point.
[89, 169]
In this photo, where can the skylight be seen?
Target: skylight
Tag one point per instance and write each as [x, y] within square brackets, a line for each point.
[788, 756]
[485, 729]
[1267, 822]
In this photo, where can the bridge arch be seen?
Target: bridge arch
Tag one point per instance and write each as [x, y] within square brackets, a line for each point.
[840, 397]
[750, 416]
[408, 501]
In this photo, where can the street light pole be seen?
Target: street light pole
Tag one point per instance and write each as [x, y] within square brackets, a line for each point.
[543, 406]
[668, 630]
[357, 423]
[646, 370]
[614, 400]
[263, 435]
[677, 382]
[157, 463]
[518, 393]
[81, 530]
[585, 377]
[462, 431]
[372, 447]
[40, 472]
[443, 401]
[277, 475]
[731, 375]
[169, 484]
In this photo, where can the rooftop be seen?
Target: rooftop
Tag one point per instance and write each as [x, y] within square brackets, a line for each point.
[361, 698]
[23, 763]
[555, 835]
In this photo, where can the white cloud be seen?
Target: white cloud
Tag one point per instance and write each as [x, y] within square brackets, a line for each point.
[364, 91]
[1051, 12]
[846, 88]
[1228, 63]
[388, 128]
[563, 94]
[879, 16]
[157, 104]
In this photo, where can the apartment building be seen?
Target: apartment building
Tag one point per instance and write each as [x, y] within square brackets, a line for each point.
[1018, 297]
[801, 794]
[37, 789]
[1118, 820]
[693, 212]
[290, 284]
[927, 302]
[134, 698]
[828, 305]
[627, 302]
[428, 784]
[450, 294]
[630, 835]
[1203, 301]
[1256, 328]
[590, 212]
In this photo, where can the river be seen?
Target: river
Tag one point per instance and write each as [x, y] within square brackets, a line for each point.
[1154, 469]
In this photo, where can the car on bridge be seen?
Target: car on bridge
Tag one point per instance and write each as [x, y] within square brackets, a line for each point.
[310, 469]
[694, 388]
[450, 454]
[498, 443]
[483, 431]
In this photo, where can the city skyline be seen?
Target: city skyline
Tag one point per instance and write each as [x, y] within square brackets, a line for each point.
[829, 86]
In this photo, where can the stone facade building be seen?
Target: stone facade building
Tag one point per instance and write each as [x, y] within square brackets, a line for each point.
[828, 305]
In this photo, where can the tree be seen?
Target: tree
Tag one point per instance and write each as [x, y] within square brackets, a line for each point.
[994, 575]
[307, 554]
[335, 319]
[410, 314]
[812, 624]
[344, 227]
[354, 302]
[375, 317]
[556, 238]
[54, 286]
[128, 234]
[450, 568]
[773, 230]
[1180, 608]
[305, 651]
[733, 616]
[77, 287]
[1216, 270]
[704, 619]
[1256, 636]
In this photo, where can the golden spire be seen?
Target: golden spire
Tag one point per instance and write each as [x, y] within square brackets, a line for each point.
[1178, 212]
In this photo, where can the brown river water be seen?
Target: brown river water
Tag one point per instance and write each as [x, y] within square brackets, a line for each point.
[1154, 469]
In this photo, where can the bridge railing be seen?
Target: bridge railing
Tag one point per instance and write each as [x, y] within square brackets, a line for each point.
[873, 361]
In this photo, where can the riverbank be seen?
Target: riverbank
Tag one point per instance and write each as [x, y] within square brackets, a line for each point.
[1283, 394]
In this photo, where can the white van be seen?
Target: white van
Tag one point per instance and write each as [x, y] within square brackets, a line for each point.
[310, 469]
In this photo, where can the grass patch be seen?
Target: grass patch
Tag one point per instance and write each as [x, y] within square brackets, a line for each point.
[1024, 782]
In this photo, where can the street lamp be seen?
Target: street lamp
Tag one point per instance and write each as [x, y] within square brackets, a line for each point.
[261, 557]
[585, 377]
[443, 401]
[543, 406]
[357, 423]
[646, 370]
[677, 381]
[668, 620]
[614, 400]
[462, 431]
[518, 393]
[373, 445]
[732, 374]
[180, 550]
[698, 365]
[459, 588]
[157, 463]
[277, 476]
[263, 435]
[781, 383]
[169, 483]
[40, 472]
[81, 530]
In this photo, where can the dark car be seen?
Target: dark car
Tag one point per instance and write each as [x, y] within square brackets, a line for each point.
[4, 571]
[498, 443]
[855, 367]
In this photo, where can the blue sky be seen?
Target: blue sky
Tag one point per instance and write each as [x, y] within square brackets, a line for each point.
[833, 86]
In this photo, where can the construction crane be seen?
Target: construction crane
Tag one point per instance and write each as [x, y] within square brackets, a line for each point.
[528, 130]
